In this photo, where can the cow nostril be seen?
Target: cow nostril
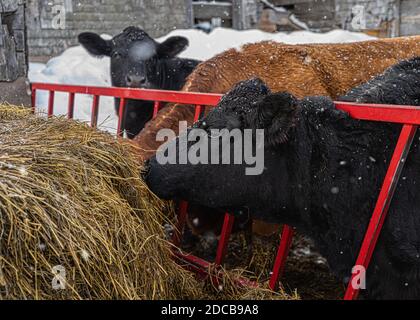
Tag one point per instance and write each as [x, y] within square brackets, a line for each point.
[136, 81]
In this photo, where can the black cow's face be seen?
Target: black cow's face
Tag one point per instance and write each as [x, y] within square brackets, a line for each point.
[248, 107]
[134, 56]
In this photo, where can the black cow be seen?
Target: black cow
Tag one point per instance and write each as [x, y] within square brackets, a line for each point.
[323, 172]
[138, 61]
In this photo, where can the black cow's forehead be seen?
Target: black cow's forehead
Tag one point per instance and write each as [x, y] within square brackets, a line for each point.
[129, 35]
[244, 95]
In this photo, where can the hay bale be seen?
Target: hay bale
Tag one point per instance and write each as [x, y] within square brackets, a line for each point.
[227, 288]
[71, 199]
[70, 196]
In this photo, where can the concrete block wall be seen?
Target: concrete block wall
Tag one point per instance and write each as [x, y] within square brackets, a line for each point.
[380, 17]
[13, 51]
[53, 25]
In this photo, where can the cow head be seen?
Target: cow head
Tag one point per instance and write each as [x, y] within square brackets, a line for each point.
[137, 61]
[134, 56]
[249, 106]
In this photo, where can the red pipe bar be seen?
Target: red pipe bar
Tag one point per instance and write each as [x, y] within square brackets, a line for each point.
[197, 114]
[408, 115]
[203, 268]
[384, 113]
[371, 112]
[120, 128]
[33, 99]
[95, 111]
[156, 109]
[224, 238]
[182, 219]
[282, 254]
[70, 108]
[51, 103]
[207, 99]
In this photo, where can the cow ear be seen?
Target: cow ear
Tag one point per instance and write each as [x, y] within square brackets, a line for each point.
[95, 45]
[171, 47]
[275, 114]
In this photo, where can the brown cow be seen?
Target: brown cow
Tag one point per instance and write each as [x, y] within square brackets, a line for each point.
[303, 70]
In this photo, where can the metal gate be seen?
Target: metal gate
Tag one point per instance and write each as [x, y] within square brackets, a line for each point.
[409, 116]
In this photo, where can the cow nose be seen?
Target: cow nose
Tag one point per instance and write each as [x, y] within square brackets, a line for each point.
[135, 81]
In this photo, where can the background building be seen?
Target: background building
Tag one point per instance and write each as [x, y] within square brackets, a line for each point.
[41, 29]
[13, 52]
[53, 25]
[383, 18]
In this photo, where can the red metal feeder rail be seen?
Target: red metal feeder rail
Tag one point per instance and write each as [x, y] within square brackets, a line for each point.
[407, 115]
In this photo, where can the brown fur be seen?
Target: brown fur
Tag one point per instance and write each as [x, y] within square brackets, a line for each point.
[303, 70]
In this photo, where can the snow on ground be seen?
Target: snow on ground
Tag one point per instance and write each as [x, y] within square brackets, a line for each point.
[76, 66]
[204, 46]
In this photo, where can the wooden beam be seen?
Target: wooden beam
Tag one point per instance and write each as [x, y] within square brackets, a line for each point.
[190, 14]
[238, 14]
[396, 28]
[288, 2]
[8, 5]
[244, 14]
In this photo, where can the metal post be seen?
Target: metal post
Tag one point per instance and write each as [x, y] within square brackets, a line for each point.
[182, 220]
[51, 103]
[156, 109]
[282, 254]
[70, 107]
[95, 110]
[239, 14]
[224, 238]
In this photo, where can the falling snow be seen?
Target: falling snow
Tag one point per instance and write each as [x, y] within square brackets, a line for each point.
[85, 255]
[76, 66]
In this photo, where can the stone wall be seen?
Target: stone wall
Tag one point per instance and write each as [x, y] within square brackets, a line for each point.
[410, 17]
[13, 53]
[53, 25]
[246, 14]
[380, 18]
[318, 15]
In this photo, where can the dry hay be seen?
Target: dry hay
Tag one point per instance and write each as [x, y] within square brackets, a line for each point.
[306, 271]
[228, 287]
[71, 196]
